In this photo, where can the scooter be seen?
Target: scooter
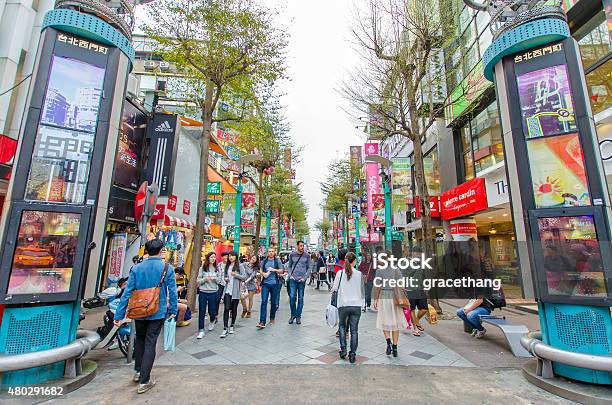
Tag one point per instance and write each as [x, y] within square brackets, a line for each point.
[109, 333]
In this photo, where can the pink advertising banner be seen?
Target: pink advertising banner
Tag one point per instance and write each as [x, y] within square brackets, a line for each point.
[372, 186]
[371, 149]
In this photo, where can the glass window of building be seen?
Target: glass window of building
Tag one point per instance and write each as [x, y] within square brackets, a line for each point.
[466, 147]
[431, 168]
[595, 45]
[486, 139]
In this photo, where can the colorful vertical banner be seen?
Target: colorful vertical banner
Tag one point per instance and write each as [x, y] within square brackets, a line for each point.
[401, 176]
[247, 217]
[378, 209]
[363, 232]
[229, 209]
[371, 148]
[372, 187]
[352, 231]
[356, 160]
[399, 208]
[117, 258]
[274, 230]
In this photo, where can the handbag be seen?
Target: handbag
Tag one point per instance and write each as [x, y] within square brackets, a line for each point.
[400, 299]
[334, 296]
[145, 302]
[170, 334]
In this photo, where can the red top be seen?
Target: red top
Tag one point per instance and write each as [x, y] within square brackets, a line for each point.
[339, 266]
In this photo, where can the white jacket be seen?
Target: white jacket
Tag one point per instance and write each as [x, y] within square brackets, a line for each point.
[351, 292]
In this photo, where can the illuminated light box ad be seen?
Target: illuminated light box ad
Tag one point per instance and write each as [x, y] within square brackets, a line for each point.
[546, 102]
[572, 256]
[557, 171]
[45, 253]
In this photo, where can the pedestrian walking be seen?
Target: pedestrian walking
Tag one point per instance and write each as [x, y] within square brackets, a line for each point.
[350, 300]
[250, 268]
[152, 273]
[298, 268]
[208, 292]
[331, 261]
[321, 270]
[367, 270]
[390, 317]
[313, 268]
[271, 272]
[220, 286]
[417, 296]
[233, 275]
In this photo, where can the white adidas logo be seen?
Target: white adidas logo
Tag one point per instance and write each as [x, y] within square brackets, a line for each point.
[164, 127]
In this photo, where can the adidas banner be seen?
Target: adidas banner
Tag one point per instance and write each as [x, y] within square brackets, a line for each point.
[162, 133]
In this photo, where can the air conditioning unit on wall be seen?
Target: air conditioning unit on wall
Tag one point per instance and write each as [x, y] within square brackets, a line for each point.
[164, 66]
[149, 64]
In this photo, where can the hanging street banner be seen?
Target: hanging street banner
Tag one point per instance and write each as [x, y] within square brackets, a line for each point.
[118, 250]
[401, 176]
[214, 187]
[229, 209]
[356, 160]
[378, 209]
[247, 217]
[399, 208]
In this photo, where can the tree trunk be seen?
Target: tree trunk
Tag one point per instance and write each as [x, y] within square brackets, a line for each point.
[198, 239]
[259, 211]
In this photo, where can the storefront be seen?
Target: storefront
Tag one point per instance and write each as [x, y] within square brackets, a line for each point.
[8, 147]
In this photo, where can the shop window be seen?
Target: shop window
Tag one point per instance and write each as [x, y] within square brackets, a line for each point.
[486, 139]
[432, 171]
[595, 45]
[604, 133]
[599, 86]
[483, 18]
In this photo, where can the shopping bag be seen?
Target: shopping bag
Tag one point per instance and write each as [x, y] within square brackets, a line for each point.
[170, 334]
[407, 316]
[433, 315]
[331, 315]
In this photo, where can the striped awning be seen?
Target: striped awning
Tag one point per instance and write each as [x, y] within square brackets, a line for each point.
[169, 220]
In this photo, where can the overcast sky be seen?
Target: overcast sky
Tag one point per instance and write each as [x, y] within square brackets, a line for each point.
[320, 55]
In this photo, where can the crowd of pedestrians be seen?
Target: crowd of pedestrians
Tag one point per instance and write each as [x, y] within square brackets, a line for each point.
[226, 282]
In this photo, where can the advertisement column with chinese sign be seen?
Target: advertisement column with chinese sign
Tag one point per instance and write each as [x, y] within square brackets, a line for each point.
[560, 202]
[60, 189]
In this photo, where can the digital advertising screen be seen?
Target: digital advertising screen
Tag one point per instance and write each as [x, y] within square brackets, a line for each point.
[572, 258]
[64, 142]
[546, 102]
[129, 149]
[557, 171]
[45, 253]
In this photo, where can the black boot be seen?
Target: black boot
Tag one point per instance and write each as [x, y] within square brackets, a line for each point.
[394, 350]
[388, 349]
[342, 354]
[352, 357]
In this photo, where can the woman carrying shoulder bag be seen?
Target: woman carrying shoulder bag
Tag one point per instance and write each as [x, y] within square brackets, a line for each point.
[350, 291]
[234, 275]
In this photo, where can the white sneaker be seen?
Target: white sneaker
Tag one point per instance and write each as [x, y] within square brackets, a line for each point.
[211, 325]
[201, 335]
[480, 334]
[224, 334]
[231, 330]
[474, 331]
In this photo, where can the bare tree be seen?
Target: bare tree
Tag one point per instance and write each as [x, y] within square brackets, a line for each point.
[400, 85]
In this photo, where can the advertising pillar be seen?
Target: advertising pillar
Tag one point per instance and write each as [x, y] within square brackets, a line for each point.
[61, 184]
[560, 203]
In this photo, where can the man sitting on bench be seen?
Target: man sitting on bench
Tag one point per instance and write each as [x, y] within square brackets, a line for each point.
[471, 312]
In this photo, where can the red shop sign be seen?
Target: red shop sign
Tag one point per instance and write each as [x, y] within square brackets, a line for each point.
[172, 201]
[464, 228]
[434, 207]
[159, 213]
[465, 199]
[186, 207]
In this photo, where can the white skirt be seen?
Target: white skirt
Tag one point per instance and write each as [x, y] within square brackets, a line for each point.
[390, 317]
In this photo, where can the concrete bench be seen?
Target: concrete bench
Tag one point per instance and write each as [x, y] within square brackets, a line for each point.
[512, 333]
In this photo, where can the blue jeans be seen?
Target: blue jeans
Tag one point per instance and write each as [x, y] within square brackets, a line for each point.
[204, 299]
[473, 317]
[296, 293]
[273, 292]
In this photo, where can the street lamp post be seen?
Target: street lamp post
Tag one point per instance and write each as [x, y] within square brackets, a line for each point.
[385, 164]
[241, 162]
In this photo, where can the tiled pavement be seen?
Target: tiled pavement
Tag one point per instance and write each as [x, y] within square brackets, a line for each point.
[312, 342]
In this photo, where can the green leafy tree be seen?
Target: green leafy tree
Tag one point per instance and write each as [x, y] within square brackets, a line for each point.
[226, 50]
[323, 226]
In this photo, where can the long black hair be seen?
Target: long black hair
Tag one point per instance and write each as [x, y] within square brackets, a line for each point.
[348, 267]
[236, 262]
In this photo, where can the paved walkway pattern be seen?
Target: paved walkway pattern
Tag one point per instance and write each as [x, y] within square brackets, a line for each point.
[312, 342]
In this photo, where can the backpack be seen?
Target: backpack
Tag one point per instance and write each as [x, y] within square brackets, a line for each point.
[497, 299]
